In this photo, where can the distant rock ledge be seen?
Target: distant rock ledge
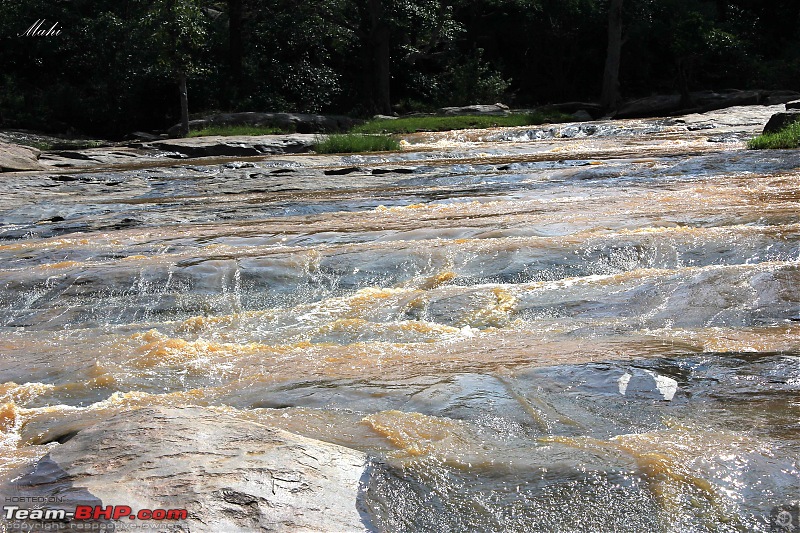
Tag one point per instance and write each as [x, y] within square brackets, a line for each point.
[704, 101]
[295, 122]
[237, 146]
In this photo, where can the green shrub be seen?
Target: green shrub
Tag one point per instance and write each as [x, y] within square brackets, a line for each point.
[237, 130]
[354, 143]
[788, 137]
[474, 80]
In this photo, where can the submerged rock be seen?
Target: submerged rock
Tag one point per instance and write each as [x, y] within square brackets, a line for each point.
[229, 474]
[15, 157]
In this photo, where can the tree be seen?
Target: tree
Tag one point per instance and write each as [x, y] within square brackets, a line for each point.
[235, 44]
[611, 95]
[177, 32]
[378, 49]
[388, 39]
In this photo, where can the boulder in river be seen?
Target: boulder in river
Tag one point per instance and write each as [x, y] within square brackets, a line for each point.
[780, 97]
[703, 101]
[593, 109]
[16, 157]
[713, 100]
[477, 109]
[663, 104]
[229, 474]
[795, 104]
[781, 120]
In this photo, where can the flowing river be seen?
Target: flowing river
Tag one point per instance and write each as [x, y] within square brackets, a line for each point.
[594, 332]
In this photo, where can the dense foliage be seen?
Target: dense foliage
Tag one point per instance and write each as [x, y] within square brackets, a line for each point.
[115, 66]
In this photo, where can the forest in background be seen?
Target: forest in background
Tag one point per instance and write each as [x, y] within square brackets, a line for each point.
[117, 65]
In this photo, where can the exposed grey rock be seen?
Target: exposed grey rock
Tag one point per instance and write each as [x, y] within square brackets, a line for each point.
[144, 136]
[779, 97]
[299, 122]
[230, 474]
[582, 115]
[236, 146]
[477, 109]
[712, 100]
[15, 157]
[742, 120]
[650, 106]
[704, 101]
[595, 110]
[384, 117]
[781, 120]
[646, 384]
[737, 118]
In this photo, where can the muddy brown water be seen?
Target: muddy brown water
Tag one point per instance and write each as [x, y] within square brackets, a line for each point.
[466, 315]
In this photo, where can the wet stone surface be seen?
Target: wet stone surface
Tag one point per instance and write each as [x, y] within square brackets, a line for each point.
[570, 328]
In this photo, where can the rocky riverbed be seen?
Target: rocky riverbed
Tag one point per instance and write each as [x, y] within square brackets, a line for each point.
[580, 327]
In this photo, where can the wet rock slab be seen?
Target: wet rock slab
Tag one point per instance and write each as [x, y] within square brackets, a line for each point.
[236, 146]
[703, 101]
[229, 474]
[14, 157]
[477, 109]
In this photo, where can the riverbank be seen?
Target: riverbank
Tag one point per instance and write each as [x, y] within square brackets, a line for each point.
[709, 131]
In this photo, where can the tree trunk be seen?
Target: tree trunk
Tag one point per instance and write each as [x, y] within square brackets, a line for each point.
[184, 105]
[235, 51]
[611, 96]
[379, 44]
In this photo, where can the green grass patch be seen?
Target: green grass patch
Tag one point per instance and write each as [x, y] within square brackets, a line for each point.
[228, 131]
[438, 123]
[349, 143]
[46, 145]
[788, 137]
